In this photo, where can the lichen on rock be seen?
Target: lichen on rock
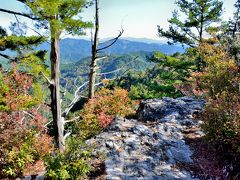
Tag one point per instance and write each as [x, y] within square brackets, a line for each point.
[152, 146]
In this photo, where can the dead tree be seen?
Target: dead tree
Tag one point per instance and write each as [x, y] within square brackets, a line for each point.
[96, 51]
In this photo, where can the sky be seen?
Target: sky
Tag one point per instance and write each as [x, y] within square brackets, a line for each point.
[139, 18]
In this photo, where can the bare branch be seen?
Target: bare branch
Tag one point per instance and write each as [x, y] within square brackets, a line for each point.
[65, 87]
[37, 33]
[91, 36]
[110, 72]
[80, 87]
[48, 80]
[66, 135]
[38, 107]
[22, 120]
[48, 123]
[101, 58]
[27, 113]
[48, 105]
[20, 14]
[114, 40]
[84, 97]
[29, 27]
[8, 57]
[17, 20]
[73, 119]
[75, 99]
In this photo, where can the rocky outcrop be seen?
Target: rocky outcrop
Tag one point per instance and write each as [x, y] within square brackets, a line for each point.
[152, 146]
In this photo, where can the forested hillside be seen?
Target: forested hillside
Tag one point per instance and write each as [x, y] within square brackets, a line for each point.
[121, 107]
[70, 48]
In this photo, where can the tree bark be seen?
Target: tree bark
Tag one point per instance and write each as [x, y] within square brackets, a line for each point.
[58, 121]
[93, 66]
[235, 29]
[199, 62]
[201, 28]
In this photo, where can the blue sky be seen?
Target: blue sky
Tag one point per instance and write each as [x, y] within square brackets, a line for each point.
[139, 18]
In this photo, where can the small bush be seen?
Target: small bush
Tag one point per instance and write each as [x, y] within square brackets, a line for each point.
[72, 164]
[222, 121]
[100, 111]
[221, 73]
[219, 83]
[21, 144]
[23, 137]
[222, 125]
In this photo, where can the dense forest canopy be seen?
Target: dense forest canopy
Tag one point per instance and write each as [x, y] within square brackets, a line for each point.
[58, 90]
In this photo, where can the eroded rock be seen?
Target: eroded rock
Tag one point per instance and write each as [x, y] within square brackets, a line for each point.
[152, 146]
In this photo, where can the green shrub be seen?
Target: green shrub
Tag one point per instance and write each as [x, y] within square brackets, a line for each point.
[222, 121]
[71, 164]
[221, 73]
[17, 159]
[222, 126]
[219, 83]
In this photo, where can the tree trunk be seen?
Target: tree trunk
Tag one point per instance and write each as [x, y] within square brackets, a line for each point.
[92, 78]
[200, 57]
[93, 66]
[235, 29]
[58, 121]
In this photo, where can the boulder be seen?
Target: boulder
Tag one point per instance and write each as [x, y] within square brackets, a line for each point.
[167, 109]
[151, 146]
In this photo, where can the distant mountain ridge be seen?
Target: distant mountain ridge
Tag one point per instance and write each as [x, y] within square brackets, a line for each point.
[72, 50]
[145, 40]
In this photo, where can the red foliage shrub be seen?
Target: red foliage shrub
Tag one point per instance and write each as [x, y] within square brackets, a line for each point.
[99, 112]
[23, 137]
[104, 119]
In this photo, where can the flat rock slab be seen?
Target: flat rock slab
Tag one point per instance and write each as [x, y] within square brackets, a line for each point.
[152, 146]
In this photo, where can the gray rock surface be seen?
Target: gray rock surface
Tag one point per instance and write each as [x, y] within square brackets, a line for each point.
[152, 146]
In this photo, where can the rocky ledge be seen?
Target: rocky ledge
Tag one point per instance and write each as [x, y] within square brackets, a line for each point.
[152, 146]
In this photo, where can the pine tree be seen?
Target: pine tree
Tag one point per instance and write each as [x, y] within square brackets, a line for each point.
[231, 34]
[198, 16]
[60, 16]
[24, 56]
[19, 44]
[197, 21]
[57, 16]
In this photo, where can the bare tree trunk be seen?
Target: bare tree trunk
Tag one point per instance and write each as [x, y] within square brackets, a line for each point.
[58, 121]
[93, 66]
